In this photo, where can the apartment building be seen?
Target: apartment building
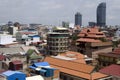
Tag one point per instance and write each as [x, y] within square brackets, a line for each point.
[57, 41]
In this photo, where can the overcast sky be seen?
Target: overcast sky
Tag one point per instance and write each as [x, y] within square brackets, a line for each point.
[55, 11]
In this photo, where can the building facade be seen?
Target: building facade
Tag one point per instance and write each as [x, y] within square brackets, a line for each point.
[57, 41]
[101, 14]
[65, 24]
[78, 19]
[106, 59]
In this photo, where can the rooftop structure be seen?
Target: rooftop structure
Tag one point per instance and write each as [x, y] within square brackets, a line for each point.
[106, 59]
[74, 70]
[90, 38]
[72, 56]
[13, 75]
[113, 70]
[44, 69]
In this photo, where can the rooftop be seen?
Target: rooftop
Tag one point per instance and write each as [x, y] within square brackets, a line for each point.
[59, 28]
[17, 62]
[74, 68]
[9, 73]
[11, 50]
[113, 70]
[91, 33]
[2, 57]
[110, 54]
[87, 40]
[115, 53]
[74, 56]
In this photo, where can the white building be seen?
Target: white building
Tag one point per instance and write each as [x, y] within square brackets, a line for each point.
[13, 30]
[24, 35]
[6, 39]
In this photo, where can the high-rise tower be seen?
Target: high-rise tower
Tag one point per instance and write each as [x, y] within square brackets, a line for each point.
[78, 19]
[101, 14]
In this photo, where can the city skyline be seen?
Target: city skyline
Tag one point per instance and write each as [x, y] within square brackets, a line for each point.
[78, 19]
[53, 12]
[101, 14]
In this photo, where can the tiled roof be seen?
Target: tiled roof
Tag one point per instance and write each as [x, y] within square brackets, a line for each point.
[95, 36]
[98, 75]
[87, 40]
[113, 70]
[75, 69]
[116, 51]
[76, 54]
[70, 65]
[72, 72]
[91, 32]
[109, 54]
[81, 35]
[79, 57]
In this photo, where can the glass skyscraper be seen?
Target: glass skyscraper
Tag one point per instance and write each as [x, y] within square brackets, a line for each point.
[101, 14]
[78, 19]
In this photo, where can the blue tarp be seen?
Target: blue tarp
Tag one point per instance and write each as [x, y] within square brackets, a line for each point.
[41, 64]
[13, 75]
[9, 73]
[34, 36]
[32, 67]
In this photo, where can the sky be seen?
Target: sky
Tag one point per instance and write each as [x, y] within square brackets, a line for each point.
[53, 12]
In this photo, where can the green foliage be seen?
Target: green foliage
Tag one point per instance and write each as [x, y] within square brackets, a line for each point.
[73, 37]
[103, 39]
[115, 44]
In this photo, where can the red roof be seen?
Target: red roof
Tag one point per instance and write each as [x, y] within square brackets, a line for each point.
[2, 57]
[95, 36]
[17, 62]
[113, 70]
[87, 40]
[116, 51]
[91, 33]
[75, 69]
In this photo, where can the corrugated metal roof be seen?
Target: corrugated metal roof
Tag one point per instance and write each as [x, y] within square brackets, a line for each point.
[11, 50]
[41, 64]
[9, 73]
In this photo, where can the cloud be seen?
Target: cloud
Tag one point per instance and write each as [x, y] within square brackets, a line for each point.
[56, 11]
